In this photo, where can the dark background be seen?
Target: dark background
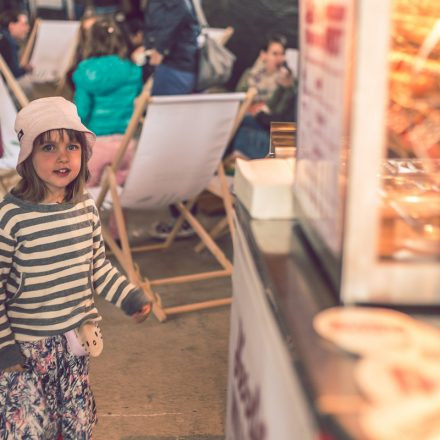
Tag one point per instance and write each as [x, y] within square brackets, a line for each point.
[252, 20]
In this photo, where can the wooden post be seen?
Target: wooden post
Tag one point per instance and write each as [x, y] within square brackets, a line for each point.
[26, 55]
[12, 83]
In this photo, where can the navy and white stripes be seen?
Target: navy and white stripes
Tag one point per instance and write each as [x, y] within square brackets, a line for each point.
[52, 261]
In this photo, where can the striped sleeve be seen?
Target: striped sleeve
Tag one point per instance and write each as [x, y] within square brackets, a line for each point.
[9, 351]
[108, 282]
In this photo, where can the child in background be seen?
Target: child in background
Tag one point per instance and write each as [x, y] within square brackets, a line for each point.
[52, 261]
[106, 85]
[84, 30]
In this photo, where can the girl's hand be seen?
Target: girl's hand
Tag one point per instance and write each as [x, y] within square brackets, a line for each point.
[142, 314]
[14, 369]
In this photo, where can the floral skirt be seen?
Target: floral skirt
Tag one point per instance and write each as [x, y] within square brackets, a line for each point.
[51, 397]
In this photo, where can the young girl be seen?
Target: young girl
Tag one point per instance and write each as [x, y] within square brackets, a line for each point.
[52, 261]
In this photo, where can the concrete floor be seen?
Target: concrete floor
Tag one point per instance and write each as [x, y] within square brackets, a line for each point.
[165, 381]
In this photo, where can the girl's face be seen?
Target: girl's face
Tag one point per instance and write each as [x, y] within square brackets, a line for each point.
[57, 163]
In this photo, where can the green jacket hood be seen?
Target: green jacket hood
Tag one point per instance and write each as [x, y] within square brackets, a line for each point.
[102, 74]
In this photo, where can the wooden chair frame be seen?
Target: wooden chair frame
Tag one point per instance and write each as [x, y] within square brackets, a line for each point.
[28, 48]
[124, 252]
[9, 177]
[13, 84]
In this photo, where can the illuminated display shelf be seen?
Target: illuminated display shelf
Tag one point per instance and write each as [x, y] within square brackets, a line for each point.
[367, 172]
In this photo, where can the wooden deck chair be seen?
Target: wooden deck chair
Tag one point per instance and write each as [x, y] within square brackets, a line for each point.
[50, 49]
[67, 6]
[179, 149]
[11, 148]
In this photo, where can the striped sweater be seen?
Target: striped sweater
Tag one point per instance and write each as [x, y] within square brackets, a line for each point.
[52, 261]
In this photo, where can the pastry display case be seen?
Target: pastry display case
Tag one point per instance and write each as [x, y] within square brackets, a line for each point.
[410, 206]
[367, 186]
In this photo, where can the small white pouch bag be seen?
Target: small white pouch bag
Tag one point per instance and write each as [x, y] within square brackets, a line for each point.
[85, 340]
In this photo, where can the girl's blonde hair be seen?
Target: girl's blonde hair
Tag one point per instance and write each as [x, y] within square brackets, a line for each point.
[105, 37]
[32, 189]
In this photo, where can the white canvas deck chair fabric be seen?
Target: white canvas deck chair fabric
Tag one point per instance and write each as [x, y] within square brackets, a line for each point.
[51, 48]
[8, 112]
[179, 150]
[292, 59]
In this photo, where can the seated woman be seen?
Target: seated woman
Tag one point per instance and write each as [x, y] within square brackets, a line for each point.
[106, 85]
[253, 136]
[263, 75]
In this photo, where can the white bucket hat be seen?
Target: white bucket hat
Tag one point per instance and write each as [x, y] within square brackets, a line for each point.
[46, 114]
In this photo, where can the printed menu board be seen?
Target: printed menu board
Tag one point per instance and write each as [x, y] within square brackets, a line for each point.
[326, 54]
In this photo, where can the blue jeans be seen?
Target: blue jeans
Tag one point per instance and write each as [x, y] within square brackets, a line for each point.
[251, 139]
[103, 10]
[79, 11]
[170, 81]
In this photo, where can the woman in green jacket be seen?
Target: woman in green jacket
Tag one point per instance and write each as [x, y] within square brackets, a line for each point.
[106, 85]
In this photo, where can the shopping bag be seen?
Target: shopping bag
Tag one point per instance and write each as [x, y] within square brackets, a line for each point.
[215, 64]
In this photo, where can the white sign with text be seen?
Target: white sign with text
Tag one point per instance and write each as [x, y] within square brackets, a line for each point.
[265, 398]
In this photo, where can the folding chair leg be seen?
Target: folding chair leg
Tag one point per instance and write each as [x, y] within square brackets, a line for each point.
[198, 306]
[120, 222]
[115, 249]
[228, 204]
[227, 198]
[158, 311]
[178, 225]
[209, 242]
[190, 278]
[124, 256]
[212, 246]
[215, 232]
[171, 237]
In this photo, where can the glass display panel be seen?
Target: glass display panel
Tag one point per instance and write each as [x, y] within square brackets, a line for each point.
[410, 192]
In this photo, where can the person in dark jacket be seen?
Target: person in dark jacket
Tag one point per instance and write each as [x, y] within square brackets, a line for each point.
[102, 7]
[14, 28]
[171, 31]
